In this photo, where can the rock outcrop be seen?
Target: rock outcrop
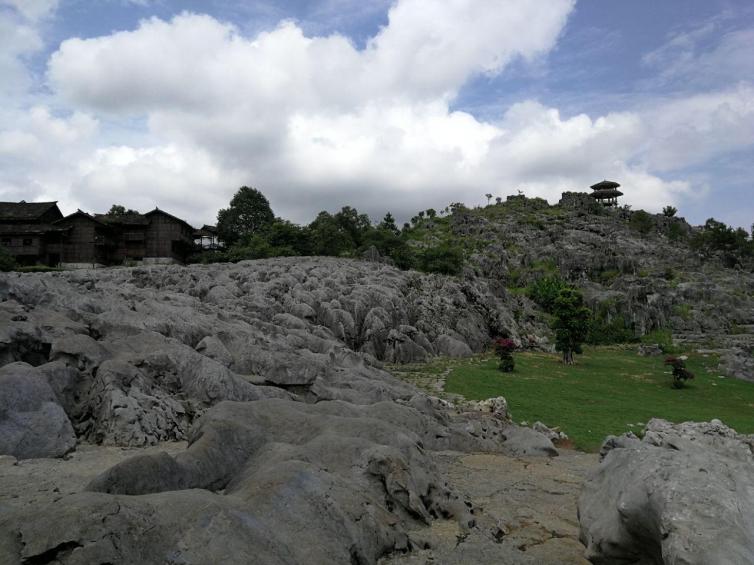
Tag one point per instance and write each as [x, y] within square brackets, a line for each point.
[301, 448]
[683, 494]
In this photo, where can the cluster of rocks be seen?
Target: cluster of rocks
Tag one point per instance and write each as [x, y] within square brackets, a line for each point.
[301, 448]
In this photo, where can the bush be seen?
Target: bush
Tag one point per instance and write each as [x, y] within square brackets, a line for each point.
[7, 262]
[641, 221]
[663, 338]
[445, 259]
[602, 332]
[680, 373]
[504, 348]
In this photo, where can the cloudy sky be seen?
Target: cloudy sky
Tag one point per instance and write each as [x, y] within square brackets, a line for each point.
[394, 105]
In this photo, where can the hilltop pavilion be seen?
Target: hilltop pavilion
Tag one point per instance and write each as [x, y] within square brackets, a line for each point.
[606, 192]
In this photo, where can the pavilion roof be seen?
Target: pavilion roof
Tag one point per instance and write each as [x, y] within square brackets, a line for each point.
[606, 193]
[604, 184]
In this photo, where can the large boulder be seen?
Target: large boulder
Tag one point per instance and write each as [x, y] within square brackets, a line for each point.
[682, 495]
[32, 422]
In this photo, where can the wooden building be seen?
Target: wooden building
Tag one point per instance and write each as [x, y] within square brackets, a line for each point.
[28, 233]
[606, 192]
[37, 233]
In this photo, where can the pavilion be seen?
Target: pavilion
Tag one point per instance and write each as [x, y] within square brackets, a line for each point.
[606, 192]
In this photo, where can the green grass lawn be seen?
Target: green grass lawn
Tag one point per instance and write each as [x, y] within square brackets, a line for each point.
[608, 391]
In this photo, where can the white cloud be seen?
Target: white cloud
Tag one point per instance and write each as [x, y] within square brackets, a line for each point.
[32, 9]
[316, 122]
[17, 42]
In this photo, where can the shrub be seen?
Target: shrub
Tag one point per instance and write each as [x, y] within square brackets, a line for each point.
[7, 262]
[680, 373]
[444, 258]
[504, 348]
[571, 323]
[641, 221]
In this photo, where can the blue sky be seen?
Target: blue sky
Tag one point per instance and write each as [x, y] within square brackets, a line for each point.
[398, 106]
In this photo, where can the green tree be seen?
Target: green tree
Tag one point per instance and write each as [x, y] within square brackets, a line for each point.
[431, 213]
[327, 236]
[354, 224]
[388, 223]
[544, 291]
[669, 211]
[117, 210]
[571, 323]
[249, 213]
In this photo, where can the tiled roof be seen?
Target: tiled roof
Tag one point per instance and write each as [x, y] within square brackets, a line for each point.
[20, 211]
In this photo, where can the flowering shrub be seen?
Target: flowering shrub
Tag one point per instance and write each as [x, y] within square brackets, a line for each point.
[504, 348]
[680, 373]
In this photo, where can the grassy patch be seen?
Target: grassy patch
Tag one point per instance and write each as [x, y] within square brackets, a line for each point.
[608, 391]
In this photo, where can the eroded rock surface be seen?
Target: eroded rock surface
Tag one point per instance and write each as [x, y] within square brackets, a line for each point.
[301, 449]
[683, 494]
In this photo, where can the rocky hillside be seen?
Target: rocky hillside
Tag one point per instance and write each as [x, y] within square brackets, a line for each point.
[638, 272]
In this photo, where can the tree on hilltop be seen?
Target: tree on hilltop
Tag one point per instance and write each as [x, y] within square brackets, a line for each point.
[118, 210]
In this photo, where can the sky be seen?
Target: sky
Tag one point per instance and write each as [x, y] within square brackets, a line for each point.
[383, 105]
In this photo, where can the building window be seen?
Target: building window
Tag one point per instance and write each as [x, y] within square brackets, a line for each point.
[28, 241]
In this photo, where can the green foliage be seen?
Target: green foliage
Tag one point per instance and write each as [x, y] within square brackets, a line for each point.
[544, 291]
[445, 258]
[571, 323]
[117, 211]
[248, 214]
[676, 232]
[683, 311]
[663, 338]
[611, 391]
[7, 262]
[615, 331]
[669, 211]
[388, 223]
[733, 244]
[38, 269]
[641, 221]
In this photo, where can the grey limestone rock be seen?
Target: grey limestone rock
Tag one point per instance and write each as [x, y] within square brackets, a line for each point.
[32, 422]
[683, 494]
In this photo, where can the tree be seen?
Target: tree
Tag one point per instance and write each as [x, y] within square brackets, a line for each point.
[249, 213]
[498, 200]
[117, 211]
[431, 213]
[489, 197]
[669, 211]
[388, 223]
[354, 224]
[328, 237]
[571, 323]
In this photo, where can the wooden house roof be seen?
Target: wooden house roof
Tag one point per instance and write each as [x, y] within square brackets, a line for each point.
[24, 211]
[177, 219]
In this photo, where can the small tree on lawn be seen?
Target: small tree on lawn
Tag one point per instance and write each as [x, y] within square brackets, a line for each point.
[680, 373]
[571, 323]
[504, 348]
